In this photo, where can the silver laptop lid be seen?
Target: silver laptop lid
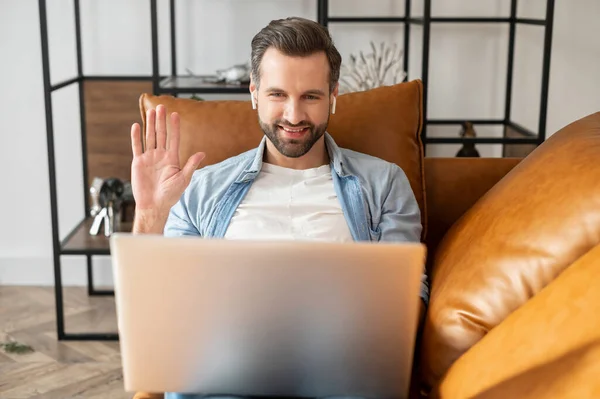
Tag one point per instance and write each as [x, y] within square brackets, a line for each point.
[266, 318]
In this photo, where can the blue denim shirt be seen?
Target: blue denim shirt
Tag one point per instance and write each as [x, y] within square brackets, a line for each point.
[376, 199]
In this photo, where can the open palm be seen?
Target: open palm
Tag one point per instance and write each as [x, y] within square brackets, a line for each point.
[157, 180]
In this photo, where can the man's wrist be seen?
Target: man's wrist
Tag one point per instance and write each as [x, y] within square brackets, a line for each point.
[149, 221]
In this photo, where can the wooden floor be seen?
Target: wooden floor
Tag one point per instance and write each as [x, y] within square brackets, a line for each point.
[64, 369]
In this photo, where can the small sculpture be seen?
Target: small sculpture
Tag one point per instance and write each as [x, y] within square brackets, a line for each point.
[107, 203]
[235, 74]
[468, 149]
[95, 196]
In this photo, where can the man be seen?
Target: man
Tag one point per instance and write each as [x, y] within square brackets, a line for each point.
[298, 184]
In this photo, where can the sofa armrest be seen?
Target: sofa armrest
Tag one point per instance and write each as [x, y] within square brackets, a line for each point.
[453, 185]
[548, 348]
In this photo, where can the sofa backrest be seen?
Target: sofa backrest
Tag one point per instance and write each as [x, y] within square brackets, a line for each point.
[385, 122]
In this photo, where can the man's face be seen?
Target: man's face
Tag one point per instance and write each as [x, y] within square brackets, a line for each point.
[293, 100]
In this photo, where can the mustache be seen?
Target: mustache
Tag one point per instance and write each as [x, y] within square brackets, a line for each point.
[282, 122]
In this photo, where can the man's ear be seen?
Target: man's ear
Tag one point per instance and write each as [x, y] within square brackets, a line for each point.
[336, 89]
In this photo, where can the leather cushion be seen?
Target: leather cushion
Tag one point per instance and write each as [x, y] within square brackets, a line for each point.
[535, 222]
[385, 122]
[549, 348]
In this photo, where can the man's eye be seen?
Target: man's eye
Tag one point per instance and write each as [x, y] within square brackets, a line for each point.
[276, 94]
[309, 97]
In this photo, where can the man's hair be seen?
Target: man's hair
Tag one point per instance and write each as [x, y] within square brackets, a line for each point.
[296, 37]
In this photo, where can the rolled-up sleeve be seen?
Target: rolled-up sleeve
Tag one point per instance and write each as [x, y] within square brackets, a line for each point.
[179, 222]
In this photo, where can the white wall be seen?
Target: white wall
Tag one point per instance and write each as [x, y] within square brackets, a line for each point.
[467, 77]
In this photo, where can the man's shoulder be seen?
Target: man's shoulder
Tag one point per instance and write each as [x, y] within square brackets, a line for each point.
[227, 169]
[359, 163]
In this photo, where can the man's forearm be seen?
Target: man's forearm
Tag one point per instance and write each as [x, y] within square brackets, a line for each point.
[149, 222]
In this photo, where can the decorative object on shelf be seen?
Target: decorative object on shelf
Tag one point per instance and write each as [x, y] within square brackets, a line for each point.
[95, 196]
[109, 198]
[203, 78]
[381, 67]
[468, 149]
[239, 74]
[236, 74]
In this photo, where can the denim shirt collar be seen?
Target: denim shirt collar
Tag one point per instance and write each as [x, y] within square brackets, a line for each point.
[335, 156]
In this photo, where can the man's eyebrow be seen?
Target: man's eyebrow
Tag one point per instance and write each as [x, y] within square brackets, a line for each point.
[278, 90]
[271, 89]
[315, 91]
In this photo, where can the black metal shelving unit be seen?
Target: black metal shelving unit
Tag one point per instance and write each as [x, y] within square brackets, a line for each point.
[79, 242]
[70, 245]
[174, 84]
[528, 137]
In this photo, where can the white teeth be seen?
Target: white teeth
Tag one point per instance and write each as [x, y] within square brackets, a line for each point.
[293, 130]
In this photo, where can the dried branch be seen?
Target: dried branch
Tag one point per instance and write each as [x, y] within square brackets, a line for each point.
[381, 67]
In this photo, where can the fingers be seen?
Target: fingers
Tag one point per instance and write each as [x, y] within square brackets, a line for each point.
[174, 136]
[150, 129]
[192, 164]
[161, 127]
[136, 139]
[156, 129]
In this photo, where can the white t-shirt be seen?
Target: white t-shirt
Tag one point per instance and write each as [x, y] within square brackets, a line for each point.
[290, 204]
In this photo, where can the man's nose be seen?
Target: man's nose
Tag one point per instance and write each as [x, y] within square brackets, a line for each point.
[294, 112]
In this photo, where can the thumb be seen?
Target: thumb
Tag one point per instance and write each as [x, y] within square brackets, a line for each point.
[192, 164]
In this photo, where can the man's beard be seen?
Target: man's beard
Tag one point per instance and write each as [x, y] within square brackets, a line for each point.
[293, 148]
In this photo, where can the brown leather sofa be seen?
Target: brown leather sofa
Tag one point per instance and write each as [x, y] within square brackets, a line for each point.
[514, 255]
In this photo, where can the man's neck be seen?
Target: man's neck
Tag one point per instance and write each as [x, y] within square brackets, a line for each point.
[317, 156]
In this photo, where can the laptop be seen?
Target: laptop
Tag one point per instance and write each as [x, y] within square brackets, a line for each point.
[257, 318]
